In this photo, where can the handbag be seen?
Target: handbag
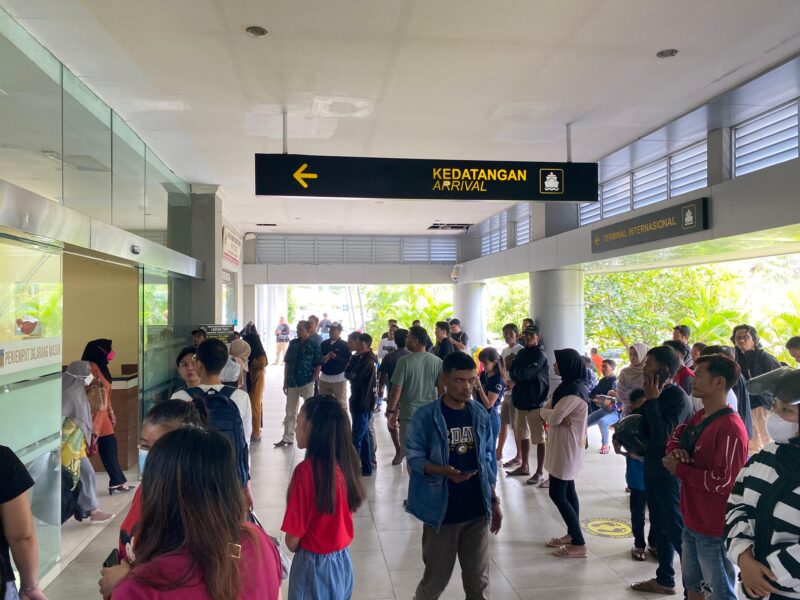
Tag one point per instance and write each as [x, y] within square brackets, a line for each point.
[96, 394]
[692, 433]
[286, 562]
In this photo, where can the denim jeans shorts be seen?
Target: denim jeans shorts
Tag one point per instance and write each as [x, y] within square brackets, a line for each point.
[706, 567]
[316, 576]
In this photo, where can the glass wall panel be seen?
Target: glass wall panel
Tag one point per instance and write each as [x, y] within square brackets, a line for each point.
[164, 307]
[30, 377]
[87, 150]
[168, 201]
[128, 160]
[30, 112]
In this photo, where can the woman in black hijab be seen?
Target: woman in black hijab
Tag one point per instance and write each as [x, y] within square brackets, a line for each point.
[99, 353]
[566, 414]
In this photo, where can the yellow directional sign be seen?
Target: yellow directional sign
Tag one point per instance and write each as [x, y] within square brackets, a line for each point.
[611, 528]
[300, 175]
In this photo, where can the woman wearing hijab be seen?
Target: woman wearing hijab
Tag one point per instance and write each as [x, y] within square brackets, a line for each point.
[257, 362]
[240, 352]
[566, 413]
[76, 435]
[99, 353]
[632, 376]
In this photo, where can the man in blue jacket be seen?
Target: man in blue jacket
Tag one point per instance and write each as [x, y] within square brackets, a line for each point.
[451, 458]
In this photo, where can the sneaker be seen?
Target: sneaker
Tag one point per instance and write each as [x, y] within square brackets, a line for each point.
[282, 444]
[98, 517]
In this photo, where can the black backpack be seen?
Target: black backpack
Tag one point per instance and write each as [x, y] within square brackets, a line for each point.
[219, 413]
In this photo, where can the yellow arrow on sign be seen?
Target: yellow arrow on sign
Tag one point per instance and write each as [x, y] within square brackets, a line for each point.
[300, 175]
[597, 240]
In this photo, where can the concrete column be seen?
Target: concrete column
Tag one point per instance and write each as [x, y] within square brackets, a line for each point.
[249, 304]
[469, 308]
[271, 304]
[557, 308]
[206, 244]
[718, 159]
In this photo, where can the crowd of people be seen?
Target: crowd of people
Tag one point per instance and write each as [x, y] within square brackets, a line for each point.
[709, 434]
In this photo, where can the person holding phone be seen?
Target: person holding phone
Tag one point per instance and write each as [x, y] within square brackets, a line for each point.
[666, 407]
[451, 458]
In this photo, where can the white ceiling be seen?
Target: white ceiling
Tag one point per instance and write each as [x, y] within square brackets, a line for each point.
[425, 78]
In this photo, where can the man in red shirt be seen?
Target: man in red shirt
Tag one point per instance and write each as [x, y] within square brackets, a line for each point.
[706, 455]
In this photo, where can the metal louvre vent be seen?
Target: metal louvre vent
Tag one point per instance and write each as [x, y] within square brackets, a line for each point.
[616, 196]
[590, 212]
[494, 234]
[329, 249]
[688, 169]
[650, 184]
[522, 223]
[766, 140]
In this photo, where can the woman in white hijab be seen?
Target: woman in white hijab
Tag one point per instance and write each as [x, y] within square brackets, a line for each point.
[77, 433]
[632, 376]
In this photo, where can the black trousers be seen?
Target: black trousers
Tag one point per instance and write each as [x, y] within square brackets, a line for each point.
[663, 496]
[564, 496]
[638, 505]
[107, 448]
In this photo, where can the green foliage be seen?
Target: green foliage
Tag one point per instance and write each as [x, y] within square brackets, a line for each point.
[508, 301]
[405, 303]
[291, 305]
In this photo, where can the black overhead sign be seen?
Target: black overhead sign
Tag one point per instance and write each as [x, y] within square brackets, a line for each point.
[674, 221]
[354, 177]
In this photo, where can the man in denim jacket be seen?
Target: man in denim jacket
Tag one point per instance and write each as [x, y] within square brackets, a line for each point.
[453, 469]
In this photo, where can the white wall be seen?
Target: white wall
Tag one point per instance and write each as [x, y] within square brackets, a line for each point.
[346, 274]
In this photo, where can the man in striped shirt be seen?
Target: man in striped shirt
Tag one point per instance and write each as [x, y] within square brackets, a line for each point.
[706, 455]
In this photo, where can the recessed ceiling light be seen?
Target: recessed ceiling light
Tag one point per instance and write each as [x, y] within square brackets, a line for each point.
[256, 31]
[666, 53]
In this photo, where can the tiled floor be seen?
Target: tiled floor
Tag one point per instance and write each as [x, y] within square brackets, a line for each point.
[386, 550]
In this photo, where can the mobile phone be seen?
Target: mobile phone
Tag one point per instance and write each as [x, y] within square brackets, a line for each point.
[663, 375]
[469, 472]
[112, 560]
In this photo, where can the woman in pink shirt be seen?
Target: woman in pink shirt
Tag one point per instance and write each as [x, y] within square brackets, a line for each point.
[193, 542]
[566, 414]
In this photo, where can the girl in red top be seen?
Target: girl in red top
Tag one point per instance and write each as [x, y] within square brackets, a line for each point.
[193, 543]
[324, 492]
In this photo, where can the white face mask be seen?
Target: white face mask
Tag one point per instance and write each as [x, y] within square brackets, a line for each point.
[88, 380]
[779, 429]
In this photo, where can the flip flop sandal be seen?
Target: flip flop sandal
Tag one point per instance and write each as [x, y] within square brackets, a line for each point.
[545, 484]
[518, 472]
[537, 477]
[604, 449]
[558, 542]
[638, 554]
[563, 552]
[511, 463]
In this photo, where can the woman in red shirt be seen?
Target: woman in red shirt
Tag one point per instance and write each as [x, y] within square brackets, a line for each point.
[324, 492]
[193, 542]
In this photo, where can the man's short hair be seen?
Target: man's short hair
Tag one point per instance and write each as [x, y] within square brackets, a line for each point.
[593, 351]
[415, 321]
[443, 325]
[304, 325]
[419, 332]
[184, 351]
[683, 330]
[392, 321]
[666, 357]
[199, 331]
[699, 346]
[720, 365]
[365, 338]
[400, 337]
[610, 362]
[794, 342]
[719, 349]
[528, 320]
[511, 327]
[455, 322]
[532, 329]
[213, 354]
[353, 336]
[458, 361]
[681, 347]
[750, 329]
[636, 395]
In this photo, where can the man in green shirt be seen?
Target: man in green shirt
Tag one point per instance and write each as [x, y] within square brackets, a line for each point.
[415, 382]
[301, 368]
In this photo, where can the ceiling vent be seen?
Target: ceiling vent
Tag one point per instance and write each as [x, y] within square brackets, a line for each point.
[266, 224]
[450, 226]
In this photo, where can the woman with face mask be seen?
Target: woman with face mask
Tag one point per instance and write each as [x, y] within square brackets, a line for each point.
[761, 524]
[99, 353]
[164, 417]
[76, 437]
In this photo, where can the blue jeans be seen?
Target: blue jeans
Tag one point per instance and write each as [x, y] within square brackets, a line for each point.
[663, 497]
[11, 591]
[314, 576]
[706, 567]
[603, 420]
[494, 424]
[361, 439]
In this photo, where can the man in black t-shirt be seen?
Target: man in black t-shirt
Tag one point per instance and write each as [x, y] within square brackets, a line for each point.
[16, 528]
[666, 406]
[458, 336]
[386, 370]
[444, 345]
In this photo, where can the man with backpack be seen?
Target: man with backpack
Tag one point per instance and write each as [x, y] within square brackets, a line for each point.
[222, 408]
[531, 376]
[706, 455]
